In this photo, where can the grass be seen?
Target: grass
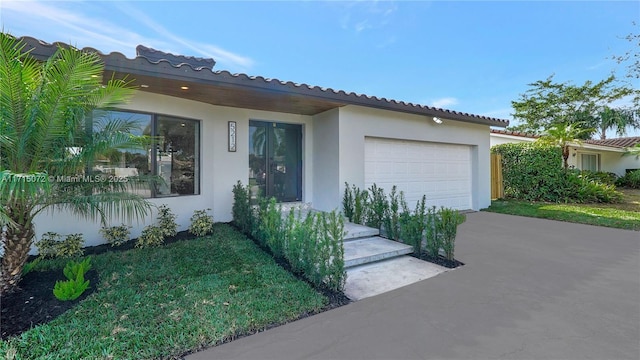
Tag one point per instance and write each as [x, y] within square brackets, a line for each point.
[166, 301]
[624, 215]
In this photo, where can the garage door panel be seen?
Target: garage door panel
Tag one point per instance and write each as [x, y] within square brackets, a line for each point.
[440, 171]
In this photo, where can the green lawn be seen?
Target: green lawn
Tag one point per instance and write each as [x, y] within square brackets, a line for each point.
[165, 301]
[625, 215]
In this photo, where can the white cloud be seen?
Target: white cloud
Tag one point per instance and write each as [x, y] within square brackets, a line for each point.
[196, 48]
[362, 25]
[43, 21]
[444, 102]
[365, 15]
[66, 22]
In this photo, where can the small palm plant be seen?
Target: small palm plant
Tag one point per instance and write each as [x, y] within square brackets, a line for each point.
[563, 135]
[45, 134]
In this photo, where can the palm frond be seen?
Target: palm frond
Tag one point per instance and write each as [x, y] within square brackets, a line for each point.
[104, 206]
[19, 75]
[23, 187]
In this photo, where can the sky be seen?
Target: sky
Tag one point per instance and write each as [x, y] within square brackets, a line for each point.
[469, 56]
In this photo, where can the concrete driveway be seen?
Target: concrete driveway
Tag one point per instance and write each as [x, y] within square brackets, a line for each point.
[531, 289]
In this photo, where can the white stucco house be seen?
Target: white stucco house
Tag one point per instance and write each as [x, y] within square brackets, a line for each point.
[595, 155]
[296, 142]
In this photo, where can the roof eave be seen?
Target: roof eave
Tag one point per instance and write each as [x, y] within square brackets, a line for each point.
[140, 66]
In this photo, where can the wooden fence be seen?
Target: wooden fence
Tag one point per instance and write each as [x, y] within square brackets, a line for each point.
[497, 185]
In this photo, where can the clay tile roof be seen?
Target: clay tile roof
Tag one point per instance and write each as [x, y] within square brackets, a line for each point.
[623, 142]
[153, 63]
[515, 133]
[155, 56]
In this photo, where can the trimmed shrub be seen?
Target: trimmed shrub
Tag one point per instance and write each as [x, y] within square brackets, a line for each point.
[329, 252]
[433, 233]
[348, 202]
[447, 221]
[412, 225]
[167, 221]
[378, 207]
[630, 180]
[313, 246]
[301, 237]
[392, 216]
[241, 210]
[355, 204]
[71, 246]
[50, 245]
[116, 235]
[360, 204]
[201, 223]
[271, 228]
[152, 235]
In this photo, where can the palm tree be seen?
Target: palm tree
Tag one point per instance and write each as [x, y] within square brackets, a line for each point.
[618, 119]
[45, 134]
[563, 135]
[632, 151]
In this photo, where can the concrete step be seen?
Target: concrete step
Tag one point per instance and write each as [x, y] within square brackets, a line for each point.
[376, 278]
[357, 231]
[371, 249]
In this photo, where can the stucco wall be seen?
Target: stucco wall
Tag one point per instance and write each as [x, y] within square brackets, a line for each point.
[326, 160]
[358, 122]
[219, 168]
[610, 161]
[506, 139]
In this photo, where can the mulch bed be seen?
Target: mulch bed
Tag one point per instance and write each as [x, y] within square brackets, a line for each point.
[442, 261]
[33, 303]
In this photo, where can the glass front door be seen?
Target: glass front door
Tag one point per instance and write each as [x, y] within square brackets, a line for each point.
[275, 160]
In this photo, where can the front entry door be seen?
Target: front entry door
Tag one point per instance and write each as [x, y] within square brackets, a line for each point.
[275, 160]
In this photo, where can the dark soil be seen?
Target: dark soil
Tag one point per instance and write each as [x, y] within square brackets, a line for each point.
[451, 264]
[33, 303]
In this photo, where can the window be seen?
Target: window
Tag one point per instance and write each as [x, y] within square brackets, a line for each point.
[589, 162]
[174, 154]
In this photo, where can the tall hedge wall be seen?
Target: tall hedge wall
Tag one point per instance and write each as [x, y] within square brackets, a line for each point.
[532, 171]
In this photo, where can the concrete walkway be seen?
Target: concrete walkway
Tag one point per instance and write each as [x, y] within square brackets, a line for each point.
[530, 289]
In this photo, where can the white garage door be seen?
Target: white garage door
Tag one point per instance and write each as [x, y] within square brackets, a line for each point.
[440, 171]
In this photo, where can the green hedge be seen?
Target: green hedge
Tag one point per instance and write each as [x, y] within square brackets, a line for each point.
[313, 246]
[426, 229]
[534, 172]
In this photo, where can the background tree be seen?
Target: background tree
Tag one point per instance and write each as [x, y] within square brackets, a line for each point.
[548, 103]
[616, 119]
[632, 151]
[44, 134]
[563, 135]
[631, 58]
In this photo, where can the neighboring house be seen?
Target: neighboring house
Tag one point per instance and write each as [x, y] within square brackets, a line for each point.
[595, 155]
[296, 142]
